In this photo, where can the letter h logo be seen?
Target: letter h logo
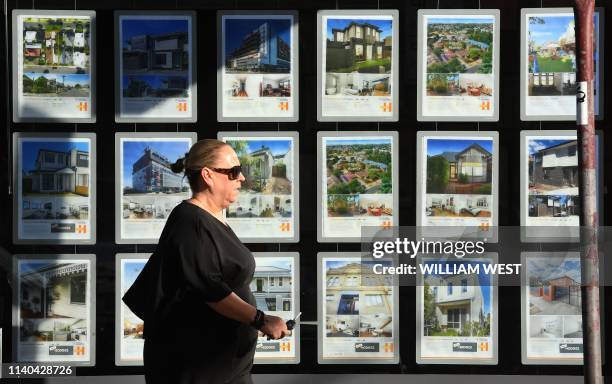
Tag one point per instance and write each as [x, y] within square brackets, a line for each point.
[285, 347]
[388, 347]
[81, 228]
[387, 107]
[79, 350]
[182, 107]
[83, 106]
[485, 105]
[284, 105]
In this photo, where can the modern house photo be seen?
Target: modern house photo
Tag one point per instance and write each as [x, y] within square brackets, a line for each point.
[459, 166]
[358, 45]
[554, 286]
[257, 45]
[357, 84]
[272, 285]
[457, 305]
[553, 167]
[554, 206]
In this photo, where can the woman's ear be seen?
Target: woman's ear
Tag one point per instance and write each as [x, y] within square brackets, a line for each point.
[206, 175]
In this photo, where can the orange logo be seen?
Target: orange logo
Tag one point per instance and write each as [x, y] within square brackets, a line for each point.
[484, 226]
[386, 224]
[83, 106]
[81, 228]
[387, 107]
[284, 105]
[285, 227]
[79, 350]
[182, 107]
[485, 105]
[388, 347]
[484, 347]
[285, 347]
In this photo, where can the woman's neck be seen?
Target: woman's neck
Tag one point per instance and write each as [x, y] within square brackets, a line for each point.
[206, 203]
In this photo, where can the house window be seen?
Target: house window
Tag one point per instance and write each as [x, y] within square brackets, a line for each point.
[464, 285]
[454, 318]
[49, 157]
[271, 304]
[48, 182]
[379, 52]
[78, 285]
[272, 281]
[551, 78]
[83, 180]
[536, 79]
[373, 300]
[449, 289]
[435, 292]
[358, 32]
[286, 305]
[280, 281]
[329, 297]
[358, 50]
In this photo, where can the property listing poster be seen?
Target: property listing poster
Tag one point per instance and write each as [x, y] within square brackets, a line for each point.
[357, 185]
[155, 67]
[357, 66]
[53, 314]
[273, 286]
[266, 207]
[551, 308]
[458, 175]
[148, 190]
[54, 183]
[459, 66]
[458, 312]
[129, 328]
[357, 309]
[258, 64]
[53, 64]
[549, 89]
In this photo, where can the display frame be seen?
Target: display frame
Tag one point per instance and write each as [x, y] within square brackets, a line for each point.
[321, 257]
[395, 20]
[294, 73]
[492, 257]
[17, 70]
[295, 188]
[192, 70]
[295, 256]
[489, 232]
[421, 67]
[598, 80]
[91, 259]
[17, 168]
[134, 136]
[322, 237]
[119, 259]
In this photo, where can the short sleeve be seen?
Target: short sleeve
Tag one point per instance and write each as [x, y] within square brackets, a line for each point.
[200, 263]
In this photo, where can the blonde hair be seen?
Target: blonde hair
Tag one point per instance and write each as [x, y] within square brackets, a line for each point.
[201, 154]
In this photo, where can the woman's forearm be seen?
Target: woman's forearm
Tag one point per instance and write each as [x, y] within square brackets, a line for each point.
[235, 308]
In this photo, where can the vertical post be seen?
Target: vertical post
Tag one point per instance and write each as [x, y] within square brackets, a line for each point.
[589, 219]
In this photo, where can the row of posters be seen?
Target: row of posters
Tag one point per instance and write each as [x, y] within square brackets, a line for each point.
[457, 315]
[458, 61]
[357, 184]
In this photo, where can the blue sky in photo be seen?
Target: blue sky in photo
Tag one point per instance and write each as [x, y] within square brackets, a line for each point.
[537, 145]
[484, 279]
[278, 147]
[546, 268]
[359, 141]
[384, 25]
[133, 150]
[131, 28]
[237, 29]
[437, 146]
[30, 149]
[329, 264]
[65, 79]
[271, 262]
[444, 20]
[131, 271]
[154, 81]
[551, 30]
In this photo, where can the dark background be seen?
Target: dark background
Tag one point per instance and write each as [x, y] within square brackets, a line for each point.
[207, 126]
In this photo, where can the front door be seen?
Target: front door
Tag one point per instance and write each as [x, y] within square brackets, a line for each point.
[259, 283]
[453, 171]
[369, 52]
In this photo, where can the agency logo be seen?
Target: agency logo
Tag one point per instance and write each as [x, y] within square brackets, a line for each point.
[570, 348]
[60, 350]
[367, 347]
[267, 347]
[464, 347]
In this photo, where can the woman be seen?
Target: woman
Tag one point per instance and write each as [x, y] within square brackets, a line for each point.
[193, 294]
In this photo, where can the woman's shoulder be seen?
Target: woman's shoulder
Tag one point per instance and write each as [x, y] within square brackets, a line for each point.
[189, 213]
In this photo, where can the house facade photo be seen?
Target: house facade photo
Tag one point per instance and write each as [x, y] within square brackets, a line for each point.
[553, 167]
[272, 286]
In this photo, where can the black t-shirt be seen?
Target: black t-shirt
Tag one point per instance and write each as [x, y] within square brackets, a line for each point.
[198, 260]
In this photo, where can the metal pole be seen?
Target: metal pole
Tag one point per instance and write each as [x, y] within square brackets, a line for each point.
[589, 219]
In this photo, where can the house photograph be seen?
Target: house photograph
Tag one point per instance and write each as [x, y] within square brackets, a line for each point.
[551, 44]
[150, 189]
[155, 86]
[553, 167]
[257, 45]
[55, 85]
[53, 302]
[460, 45]
[442, 84]
[262, 206]
[459, 166]
[358, 45]
[56, 45]
[55, 180]
[554, 286]
[133, 326]
[272, 285]
[457, 305]
[357, 84]
[554, 206]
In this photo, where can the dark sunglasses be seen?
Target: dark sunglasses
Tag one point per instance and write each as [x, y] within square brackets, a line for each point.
[232, 173]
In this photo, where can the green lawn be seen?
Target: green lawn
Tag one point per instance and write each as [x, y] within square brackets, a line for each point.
[368, 66]
[548, 64]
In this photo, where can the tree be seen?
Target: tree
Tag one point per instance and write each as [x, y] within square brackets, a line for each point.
[429, 308]
[437, 174]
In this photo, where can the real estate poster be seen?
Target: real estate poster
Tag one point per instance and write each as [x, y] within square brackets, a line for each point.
[458, 65]
[129, 328]
[257, 66]
[550, 197]
[155, 62]
[53, 314]
[457, 179]
[357, 183]
[275, 286]
[551, 311]
[357, 311]
[53, 66]
[146, 189]
[267, 207]
[55, 186]
[457, 313]
[358, 64]
[548, 64]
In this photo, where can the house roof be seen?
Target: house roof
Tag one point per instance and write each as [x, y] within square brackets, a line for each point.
[565, 143]
[449, 156]
[261, 151]
[476, 147]
[358, 24]
[573, 275]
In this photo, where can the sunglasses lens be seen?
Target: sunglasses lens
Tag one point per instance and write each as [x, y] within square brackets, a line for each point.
[236, 172]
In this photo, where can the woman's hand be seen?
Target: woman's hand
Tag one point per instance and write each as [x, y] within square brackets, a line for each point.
[274, 327]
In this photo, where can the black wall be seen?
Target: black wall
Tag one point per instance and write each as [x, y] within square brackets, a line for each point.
[509, 127]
